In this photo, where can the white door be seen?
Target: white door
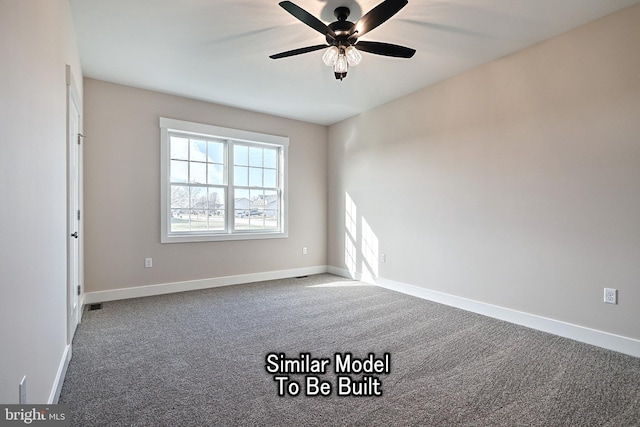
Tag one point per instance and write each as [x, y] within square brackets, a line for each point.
[73, 211]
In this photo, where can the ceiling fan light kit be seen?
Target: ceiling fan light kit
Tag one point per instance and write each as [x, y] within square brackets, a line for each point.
[341, 59]
[343, 47]
[330, 56]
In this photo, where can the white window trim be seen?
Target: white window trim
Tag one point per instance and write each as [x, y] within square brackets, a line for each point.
[167, 125]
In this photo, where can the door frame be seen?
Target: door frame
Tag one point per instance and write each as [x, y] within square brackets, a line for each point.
[75, 245]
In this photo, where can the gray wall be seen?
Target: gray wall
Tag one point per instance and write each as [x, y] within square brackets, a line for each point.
[515, 184]
[122, 193]
[36, 42]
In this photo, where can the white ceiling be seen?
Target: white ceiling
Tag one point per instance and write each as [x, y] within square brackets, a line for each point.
[218, 51]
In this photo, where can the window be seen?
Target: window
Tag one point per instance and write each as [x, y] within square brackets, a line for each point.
[221, 184]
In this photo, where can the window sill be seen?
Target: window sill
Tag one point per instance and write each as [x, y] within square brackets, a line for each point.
[196, 238]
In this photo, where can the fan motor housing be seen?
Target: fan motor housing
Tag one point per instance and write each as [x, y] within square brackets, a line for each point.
[341, 27]
[342, 13]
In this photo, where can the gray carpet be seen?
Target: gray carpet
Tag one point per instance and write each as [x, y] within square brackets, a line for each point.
[198, 358]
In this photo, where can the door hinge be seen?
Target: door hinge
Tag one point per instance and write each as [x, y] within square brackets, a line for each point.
[78, 290]
[78, 214]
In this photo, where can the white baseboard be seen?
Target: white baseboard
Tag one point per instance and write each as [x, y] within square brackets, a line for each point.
[595, 337]
[192, 285]
[583, 334]
[59, 379]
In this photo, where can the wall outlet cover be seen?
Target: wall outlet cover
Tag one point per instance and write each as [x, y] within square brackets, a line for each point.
[610, 296]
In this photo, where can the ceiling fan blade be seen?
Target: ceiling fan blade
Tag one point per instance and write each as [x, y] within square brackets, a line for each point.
[376, 16]
[385, 49]
[308, 18]
[298, 51]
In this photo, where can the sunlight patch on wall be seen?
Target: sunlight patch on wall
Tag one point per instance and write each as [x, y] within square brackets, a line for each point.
[369, 250]
[361, 244]
[350, 236]
[351, 212]
[349, 254]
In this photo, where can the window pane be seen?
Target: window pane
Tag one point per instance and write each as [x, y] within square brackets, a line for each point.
[270, 178]
[257, 198]
[198, 151]
[199, 199]
[198, 173]
[264, 210]
[256, 220]
[216, 221]
[271, 208]
[255, 177]
[241, 176]
[241, 155]
[215, 174]
[242, 208]
[216, 152]
[270, 158]
[216, 209]
[255, 156]
[271, 222]
[179, 208]
[199, 220]
[241, 221]
[242, 194]
[179, 171]
[179, 197]
[179, 148]
[216, 199]
[180, 221]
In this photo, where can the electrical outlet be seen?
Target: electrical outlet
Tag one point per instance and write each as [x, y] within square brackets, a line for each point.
[304, 250]
[610, 296]
[22, 390]
[148, 262]
[383, 258]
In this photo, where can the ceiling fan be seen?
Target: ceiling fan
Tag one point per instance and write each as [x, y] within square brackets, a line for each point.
[343, 44]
